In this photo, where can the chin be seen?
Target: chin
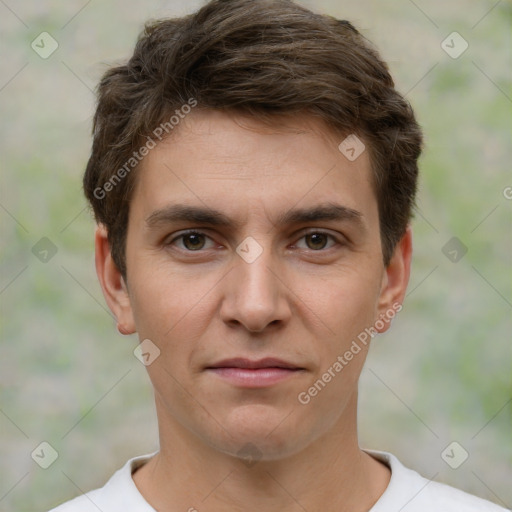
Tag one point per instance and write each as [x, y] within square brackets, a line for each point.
[262, 433]
[259, 448]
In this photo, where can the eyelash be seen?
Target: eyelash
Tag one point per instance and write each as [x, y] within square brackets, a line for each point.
[196, 232]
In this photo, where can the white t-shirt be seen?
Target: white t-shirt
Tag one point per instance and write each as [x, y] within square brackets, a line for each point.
[407, 492]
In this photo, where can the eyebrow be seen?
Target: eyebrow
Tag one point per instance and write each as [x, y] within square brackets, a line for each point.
[203, 215]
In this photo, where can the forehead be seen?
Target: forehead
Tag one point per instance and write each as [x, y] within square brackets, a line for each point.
[232, 162]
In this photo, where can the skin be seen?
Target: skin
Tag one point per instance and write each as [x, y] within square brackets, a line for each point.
[304, 300]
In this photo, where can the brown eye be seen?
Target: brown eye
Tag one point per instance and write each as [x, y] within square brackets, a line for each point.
[317, 241]
[190, 241]
[193, 241]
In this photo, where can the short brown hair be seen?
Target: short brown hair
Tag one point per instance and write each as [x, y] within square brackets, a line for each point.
[263, 58]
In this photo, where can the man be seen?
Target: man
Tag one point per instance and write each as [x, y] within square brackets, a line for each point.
[253, 174]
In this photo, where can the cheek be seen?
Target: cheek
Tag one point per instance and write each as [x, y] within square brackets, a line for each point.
[346, 302]
[348, 307]
[164, 305]
[173, 312]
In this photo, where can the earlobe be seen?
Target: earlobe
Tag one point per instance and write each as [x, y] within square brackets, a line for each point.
[112, 283]
[395, 280]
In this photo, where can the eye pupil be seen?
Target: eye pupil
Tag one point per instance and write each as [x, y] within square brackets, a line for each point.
[195, 245]
[317, 237]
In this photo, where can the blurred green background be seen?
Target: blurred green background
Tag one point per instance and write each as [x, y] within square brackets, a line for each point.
[441, 374]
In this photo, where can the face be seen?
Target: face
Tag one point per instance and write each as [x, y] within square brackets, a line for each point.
[254, 244]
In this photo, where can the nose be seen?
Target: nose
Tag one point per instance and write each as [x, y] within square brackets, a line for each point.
[255, 295]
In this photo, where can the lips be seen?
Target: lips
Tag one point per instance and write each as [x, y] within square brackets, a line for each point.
[246, 373]
[268, 362]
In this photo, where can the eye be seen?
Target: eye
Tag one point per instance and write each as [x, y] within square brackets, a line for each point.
[317, 240]
[195, 241]
[191, 240]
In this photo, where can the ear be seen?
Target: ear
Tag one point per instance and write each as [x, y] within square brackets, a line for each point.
[394, 281]
[112, 283]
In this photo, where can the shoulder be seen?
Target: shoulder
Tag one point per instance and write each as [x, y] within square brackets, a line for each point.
[117, 495]
[408, 491]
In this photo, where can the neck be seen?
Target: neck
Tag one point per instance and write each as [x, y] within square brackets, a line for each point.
[331, 473]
